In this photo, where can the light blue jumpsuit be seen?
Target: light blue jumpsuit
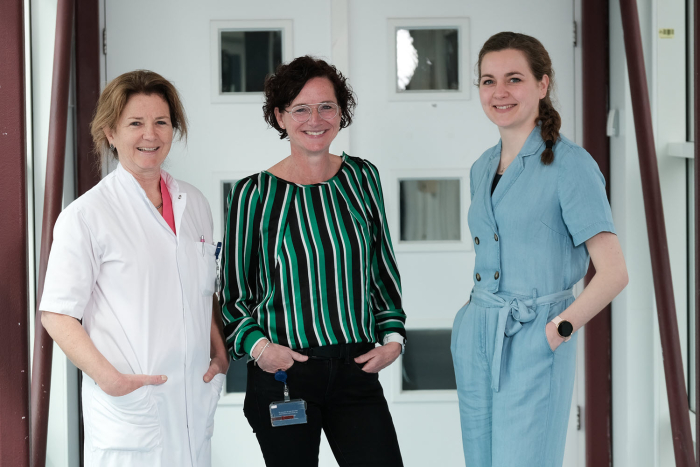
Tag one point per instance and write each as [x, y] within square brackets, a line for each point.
[514, 392]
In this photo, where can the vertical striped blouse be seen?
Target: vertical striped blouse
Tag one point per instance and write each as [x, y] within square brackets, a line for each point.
[309, 265]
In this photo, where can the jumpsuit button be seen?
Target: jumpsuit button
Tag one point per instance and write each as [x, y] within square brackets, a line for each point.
[476, 240]
[495, 237]
[496, 276]
[478, 276]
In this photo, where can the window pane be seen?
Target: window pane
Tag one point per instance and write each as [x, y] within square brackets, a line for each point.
[236, 376]
[427, 361]
[427, 59]
[430, 210]
[247, 57]
[690, 76]
[690, 165]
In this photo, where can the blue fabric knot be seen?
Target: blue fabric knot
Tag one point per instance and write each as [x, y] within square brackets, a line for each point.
[512, 315]
[511, 318]
[519, 315]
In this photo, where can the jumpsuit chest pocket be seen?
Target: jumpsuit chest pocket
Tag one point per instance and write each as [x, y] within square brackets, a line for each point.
[206, 267]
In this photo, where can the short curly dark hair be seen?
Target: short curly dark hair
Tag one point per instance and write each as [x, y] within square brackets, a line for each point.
[282, 87]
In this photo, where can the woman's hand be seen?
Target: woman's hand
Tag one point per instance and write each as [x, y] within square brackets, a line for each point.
[70, 336]
[218, 363]
[121, 384]
[379, 357]
[276, 357]
[553, 336]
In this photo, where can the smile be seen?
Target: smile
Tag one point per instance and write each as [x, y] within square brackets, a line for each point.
[504, 107]
[315, 133]
[148, 149]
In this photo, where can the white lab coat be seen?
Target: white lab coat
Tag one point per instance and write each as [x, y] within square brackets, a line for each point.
[145, 297]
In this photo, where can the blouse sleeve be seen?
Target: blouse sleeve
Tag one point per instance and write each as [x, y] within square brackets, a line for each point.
[73, 267]
[239, 266]
[584, 203]
[385, 281]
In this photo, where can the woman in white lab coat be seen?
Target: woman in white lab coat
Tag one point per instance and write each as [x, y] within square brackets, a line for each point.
[134, 259]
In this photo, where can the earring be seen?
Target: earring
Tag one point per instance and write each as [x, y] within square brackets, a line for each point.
[111, 147]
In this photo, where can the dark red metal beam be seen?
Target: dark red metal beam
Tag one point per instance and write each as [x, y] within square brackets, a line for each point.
[53, 198]
[87, 90]
[14, 370]
[658, 243]
[696, 130]
[598, 362]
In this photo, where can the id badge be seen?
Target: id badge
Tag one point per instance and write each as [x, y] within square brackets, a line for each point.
[289, 411]
[285, 413]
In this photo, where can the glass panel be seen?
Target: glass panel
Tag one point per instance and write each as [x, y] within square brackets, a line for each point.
[247, 57]
[690, 166]
[427, 361]
[427, 59]
[237, 376]
[430, 210]
[689, 68]
[237, 370]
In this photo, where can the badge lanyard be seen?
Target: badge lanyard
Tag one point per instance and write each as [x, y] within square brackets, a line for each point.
[289, 411]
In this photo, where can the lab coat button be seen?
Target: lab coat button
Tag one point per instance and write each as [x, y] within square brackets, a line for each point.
[495, 237]
[476, 240]
[478, 276]
[496, 276]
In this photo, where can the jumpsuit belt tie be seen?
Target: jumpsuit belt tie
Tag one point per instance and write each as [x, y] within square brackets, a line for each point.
[512, 314]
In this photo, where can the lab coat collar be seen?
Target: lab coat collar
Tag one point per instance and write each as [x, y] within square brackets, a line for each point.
[179, 200]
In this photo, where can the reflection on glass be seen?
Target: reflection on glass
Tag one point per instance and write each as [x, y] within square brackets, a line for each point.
[247, 57]
[690, 75]
[427, 361]
[690, 165]
[427, 59]
[429, 210]
[236, 376]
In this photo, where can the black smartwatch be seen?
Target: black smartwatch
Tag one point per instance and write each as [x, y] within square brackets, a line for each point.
[564, 328]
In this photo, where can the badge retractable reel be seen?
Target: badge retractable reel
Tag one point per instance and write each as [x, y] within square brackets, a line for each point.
[288, 411]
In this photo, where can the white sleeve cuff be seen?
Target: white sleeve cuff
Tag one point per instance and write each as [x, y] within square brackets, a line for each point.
[395, 337]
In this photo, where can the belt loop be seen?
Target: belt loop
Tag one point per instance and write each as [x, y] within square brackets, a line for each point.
[534, 294]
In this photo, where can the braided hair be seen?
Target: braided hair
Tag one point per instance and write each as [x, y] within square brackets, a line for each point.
[540, 64]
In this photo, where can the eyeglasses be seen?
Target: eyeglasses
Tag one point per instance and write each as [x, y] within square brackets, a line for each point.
[302, 113]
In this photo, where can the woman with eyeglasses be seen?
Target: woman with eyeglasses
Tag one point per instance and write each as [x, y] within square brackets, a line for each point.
[311, 284]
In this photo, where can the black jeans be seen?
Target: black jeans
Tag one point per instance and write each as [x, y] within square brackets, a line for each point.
[344, 401]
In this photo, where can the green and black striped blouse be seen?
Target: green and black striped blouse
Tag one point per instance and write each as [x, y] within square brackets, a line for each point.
[309, 265]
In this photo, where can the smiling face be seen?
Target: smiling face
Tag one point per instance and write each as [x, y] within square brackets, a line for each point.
[316, 134]
[509, 92]
[143, 134]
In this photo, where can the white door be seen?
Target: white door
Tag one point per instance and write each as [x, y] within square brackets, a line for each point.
[412, 135]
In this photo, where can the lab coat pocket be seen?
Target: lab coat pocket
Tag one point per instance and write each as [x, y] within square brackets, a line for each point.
[126, 423]
[206, 254]
[216, 384]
